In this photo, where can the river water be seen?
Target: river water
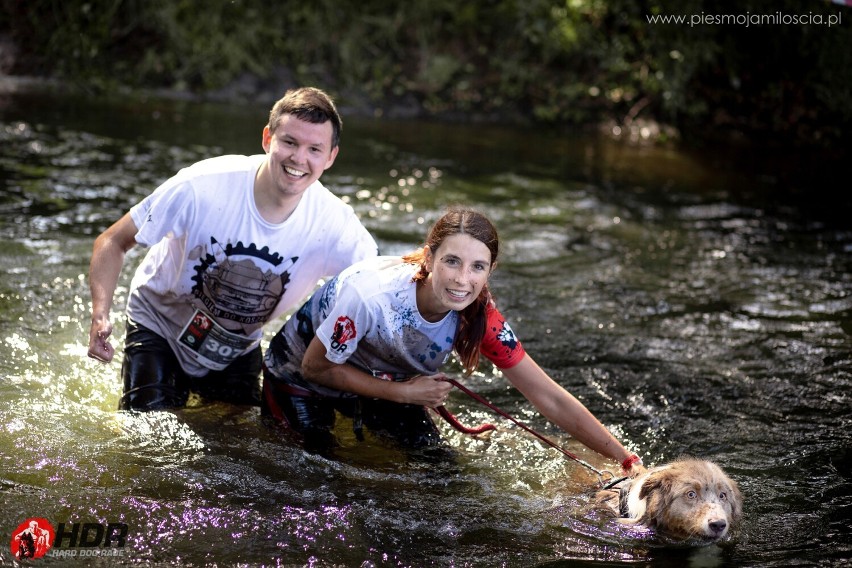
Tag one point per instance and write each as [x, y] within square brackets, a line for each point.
[697, 301]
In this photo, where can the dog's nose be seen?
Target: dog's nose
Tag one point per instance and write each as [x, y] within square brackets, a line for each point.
[718, 526]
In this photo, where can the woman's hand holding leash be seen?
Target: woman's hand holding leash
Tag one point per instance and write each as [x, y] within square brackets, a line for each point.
[428, 390]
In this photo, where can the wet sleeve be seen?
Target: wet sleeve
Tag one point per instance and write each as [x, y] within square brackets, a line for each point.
[353, 244]
[345, 326]
[500, 345]
[167, 212]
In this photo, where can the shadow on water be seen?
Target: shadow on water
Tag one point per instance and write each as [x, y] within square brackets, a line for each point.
[698, 302]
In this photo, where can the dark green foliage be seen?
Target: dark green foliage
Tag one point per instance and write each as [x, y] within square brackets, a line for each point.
[569, 61]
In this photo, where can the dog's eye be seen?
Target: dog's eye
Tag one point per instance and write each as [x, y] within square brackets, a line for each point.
[691, 494]
[723, 496]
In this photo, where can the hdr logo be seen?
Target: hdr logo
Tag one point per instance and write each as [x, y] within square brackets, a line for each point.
[32, 539]
[36, 537]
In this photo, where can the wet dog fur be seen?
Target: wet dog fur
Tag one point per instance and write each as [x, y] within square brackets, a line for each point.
[685, 499]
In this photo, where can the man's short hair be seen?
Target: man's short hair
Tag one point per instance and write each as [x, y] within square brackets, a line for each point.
[311, 105]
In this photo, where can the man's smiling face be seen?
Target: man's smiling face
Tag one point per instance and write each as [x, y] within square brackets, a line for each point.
[298, 153]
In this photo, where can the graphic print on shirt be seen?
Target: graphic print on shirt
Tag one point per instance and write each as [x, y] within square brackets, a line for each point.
[240, 283]
[344, 331]
[328, 297]
[507, 337]
[432, 352]
[403, 315]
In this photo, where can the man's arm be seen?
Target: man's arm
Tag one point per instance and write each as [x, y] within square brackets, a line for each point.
[108, 254]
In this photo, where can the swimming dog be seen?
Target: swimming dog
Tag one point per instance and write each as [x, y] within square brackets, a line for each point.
[685, 499]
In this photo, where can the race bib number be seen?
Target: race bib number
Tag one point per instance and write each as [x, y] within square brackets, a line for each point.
[214, 346]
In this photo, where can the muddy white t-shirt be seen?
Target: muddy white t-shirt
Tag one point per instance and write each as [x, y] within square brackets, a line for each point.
[368, 317]
[216, 271]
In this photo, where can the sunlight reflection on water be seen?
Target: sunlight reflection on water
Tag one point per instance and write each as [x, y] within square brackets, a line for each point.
[689, 319]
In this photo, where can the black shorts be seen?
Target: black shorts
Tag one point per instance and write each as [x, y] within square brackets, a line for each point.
[313, 417]
[154, 379]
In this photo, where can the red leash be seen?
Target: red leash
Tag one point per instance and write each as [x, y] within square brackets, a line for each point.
[454, 422]
[446, 415]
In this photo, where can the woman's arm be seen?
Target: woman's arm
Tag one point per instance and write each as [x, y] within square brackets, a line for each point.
[560, 407]
[428, 391]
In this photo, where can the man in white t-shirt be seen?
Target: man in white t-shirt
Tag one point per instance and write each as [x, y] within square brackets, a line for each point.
[233, 242]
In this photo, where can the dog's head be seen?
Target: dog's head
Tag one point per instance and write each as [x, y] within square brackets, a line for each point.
[690, 498]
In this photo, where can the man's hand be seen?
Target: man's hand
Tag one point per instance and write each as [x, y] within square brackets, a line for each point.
[99, 345]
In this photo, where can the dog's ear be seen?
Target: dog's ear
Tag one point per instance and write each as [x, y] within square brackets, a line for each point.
[657, 481]
[656, 491]
[736, 500]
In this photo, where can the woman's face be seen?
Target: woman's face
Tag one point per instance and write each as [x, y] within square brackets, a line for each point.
[458, 270]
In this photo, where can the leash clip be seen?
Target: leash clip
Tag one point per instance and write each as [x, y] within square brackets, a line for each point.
[612, 481]
[604, 475]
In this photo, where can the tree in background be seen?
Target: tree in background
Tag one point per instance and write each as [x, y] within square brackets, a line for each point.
[570, 61]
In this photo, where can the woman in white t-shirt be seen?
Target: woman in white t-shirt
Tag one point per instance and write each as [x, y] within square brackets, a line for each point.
[370, 343]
